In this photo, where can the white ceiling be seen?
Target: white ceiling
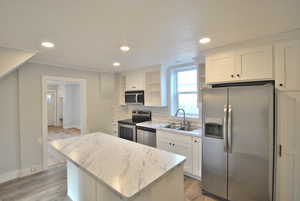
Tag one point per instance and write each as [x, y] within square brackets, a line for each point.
[88, 33]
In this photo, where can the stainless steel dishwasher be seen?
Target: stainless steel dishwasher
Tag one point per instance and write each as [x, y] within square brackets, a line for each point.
[146, 136]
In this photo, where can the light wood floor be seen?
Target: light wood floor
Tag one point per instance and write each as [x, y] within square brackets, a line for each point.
[56, 133]
[52, 186]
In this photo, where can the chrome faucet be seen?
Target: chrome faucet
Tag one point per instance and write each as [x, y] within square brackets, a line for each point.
[184, 123]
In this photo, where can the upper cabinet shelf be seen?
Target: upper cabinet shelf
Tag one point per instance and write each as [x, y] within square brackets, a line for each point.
[287, 65]
[248, 64]
[155, 88]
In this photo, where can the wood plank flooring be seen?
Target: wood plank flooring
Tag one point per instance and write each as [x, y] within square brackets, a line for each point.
[51, 185]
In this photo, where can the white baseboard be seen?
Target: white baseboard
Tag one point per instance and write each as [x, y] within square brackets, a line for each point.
[19, 173]
[76, 126]
[193, 176]
[29, 171]
[71, 126]
[9, 176]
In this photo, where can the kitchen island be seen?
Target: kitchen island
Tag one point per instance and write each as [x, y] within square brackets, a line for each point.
[102, 167]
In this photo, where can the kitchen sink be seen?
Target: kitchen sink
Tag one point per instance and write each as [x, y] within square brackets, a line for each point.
[185, 129]
[173, 126]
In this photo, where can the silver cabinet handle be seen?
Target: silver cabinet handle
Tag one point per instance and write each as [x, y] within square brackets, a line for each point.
[225, 129]
[229, 129]
[136, 98]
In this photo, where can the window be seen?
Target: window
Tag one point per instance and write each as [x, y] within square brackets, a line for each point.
[184, 91]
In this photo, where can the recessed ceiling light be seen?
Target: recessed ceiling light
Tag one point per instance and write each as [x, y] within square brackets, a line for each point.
[204, 40]
[125, 48]
[47, 44]
[116, 64]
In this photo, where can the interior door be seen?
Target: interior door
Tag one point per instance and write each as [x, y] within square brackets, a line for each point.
[214, 167]
[51, 108]
[288, 122]
[250, 142]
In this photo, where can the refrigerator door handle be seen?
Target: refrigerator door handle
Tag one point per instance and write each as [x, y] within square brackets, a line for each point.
[229, 129]
[225, 129]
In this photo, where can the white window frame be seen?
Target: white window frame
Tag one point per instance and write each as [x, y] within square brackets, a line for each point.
[174, 94]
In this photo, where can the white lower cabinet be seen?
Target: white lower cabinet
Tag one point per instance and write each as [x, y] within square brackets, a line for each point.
[185, 146]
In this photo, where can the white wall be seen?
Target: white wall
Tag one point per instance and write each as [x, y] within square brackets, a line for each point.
[71, 114]
[9, 133]
[21, 93]
[10, 59]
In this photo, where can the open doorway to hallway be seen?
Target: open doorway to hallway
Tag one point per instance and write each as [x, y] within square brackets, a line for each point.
[65, 117]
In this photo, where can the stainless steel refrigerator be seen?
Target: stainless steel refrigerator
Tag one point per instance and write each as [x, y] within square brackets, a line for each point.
[238, 142]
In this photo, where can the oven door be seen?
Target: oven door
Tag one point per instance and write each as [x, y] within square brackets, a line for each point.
[127, 132]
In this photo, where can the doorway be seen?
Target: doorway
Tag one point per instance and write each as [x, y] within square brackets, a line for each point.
[64, 114]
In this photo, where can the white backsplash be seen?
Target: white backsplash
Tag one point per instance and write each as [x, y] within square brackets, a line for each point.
[159, 114]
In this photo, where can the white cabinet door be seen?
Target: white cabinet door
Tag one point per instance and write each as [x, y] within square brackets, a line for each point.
[135, 81]
[289, 138]
[185, 150]
[287, 65]
[220, 68]
[197, 156]
[178, 144]
[240, 65]
[254, 64]
[163, 143]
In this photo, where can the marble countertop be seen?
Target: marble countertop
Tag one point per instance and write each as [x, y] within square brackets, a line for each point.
[194, 133]
[152, 124]
[124, 166]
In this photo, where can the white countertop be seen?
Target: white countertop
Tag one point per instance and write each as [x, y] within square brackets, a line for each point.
[124, 166]
[152, 124]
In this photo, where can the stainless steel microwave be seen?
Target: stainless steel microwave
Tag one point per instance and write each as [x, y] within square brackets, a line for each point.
[134, 97]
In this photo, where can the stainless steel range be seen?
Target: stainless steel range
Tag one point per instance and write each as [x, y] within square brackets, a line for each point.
[127, 127]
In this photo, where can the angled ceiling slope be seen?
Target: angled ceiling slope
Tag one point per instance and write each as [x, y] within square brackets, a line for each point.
[10, 59]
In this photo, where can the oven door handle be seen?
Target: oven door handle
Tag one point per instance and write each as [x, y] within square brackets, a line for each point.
[126, 126]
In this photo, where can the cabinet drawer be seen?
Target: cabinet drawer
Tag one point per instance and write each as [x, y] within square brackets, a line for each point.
[178, 138]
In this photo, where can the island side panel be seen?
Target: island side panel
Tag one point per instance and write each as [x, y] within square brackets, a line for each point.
[170, 187]
[81, 186]
[84, 187]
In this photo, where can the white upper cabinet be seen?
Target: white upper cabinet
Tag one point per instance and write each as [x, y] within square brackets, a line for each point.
[254, 64]
[155, 88]
[153, 81]
[135, 81]
[287, 65]
[220, 68]
[248, 64]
